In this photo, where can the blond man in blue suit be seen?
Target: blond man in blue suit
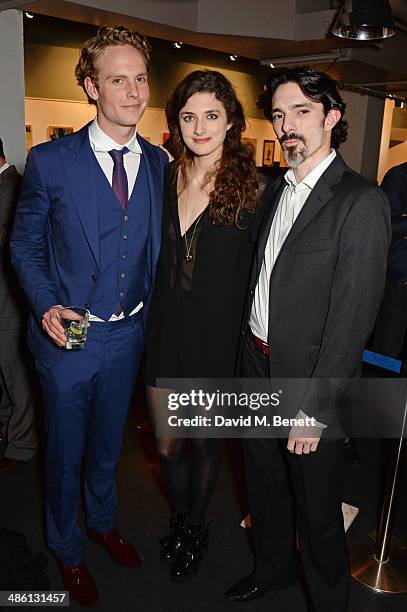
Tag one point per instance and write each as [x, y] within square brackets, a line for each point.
[87, 233]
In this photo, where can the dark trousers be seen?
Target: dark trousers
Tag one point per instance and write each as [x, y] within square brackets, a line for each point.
[86, 396]
[17, 389]
[296, 493]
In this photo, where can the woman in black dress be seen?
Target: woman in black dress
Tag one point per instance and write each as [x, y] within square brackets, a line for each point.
[208, 238]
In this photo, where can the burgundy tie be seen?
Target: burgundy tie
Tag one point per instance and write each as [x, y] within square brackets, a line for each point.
[120, 187]
[119, 179]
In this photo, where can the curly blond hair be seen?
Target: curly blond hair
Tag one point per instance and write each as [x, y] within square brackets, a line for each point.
[106, 37]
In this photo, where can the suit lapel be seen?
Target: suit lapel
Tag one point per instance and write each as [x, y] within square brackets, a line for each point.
[153, 174]
[155, 180]
[273, 195]
[317, 199]
[8, 174]
[78, 164]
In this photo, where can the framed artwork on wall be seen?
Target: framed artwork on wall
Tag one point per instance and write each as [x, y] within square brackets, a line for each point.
[253, 142]
[28, 138]
[57, 131]
[268, 152]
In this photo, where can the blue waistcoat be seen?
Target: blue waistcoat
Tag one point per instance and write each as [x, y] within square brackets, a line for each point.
[123, 243]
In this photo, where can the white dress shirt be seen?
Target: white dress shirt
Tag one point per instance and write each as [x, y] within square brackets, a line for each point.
[101, 144]
[289, 207]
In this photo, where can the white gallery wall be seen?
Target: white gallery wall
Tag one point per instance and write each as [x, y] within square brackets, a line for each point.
[41, 114]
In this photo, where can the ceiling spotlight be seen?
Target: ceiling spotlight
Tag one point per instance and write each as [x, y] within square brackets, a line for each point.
[29, 15]
[233, 58]
[177, 45]
[271, 65]
[364, 20]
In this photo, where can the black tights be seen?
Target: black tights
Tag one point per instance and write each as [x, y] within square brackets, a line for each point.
[191, 480]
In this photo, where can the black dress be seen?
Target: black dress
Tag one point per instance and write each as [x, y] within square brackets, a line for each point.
[197, 306]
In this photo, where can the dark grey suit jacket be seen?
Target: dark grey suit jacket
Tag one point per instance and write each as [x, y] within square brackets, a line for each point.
[10, 184]
[12, 302]
[328, 280]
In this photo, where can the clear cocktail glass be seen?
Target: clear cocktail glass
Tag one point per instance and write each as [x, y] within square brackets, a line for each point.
[75, 322]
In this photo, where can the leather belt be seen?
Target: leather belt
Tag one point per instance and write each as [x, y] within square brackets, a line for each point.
[263, 346]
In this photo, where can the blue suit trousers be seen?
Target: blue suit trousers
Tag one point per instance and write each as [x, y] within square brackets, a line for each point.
[86, 396]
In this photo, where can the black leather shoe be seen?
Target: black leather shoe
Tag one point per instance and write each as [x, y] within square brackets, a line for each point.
[246, 590]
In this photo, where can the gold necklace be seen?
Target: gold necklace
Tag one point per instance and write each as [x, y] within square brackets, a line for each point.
[188, 255]
[188, 246]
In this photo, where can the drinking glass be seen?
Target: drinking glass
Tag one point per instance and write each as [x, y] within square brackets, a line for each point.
[75, 322]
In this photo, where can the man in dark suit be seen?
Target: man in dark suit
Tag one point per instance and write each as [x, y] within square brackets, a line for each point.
[315, 290]
[87, 233]
[391, 324]
[18, 439]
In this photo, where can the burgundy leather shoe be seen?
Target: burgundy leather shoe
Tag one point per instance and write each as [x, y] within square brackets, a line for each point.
[80, 584]
[118, 548]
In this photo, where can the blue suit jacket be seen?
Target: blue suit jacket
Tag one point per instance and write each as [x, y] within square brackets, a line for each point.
[55, 240]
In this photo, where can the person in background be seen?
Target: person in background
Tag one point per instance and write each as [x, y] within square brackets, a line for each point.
[87, 233]
[391, 324]
[211, 212]
[18, 437]
[313, 298]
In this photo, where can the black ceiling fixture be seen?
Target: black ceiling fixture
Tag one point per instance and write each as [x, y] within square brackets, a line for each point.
[364, 20]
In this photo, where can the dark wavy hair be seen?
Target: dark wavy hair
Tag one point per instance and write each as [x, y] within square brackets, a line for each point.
[316, 86]
[235, 176]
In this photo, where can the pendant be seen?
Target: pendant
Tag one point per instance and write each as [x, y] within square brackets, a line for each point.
[188, 257]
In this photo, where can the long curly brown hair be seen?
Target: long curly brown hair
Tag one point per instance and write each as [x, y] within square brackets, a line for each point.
[234, 178]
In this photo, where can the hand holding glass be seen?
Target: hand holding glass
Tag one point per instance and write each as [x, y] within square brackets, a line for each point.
[75, 322]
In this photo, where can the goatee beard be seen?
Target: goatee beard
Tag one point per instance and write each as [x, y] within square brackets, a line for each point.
[294, 158]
